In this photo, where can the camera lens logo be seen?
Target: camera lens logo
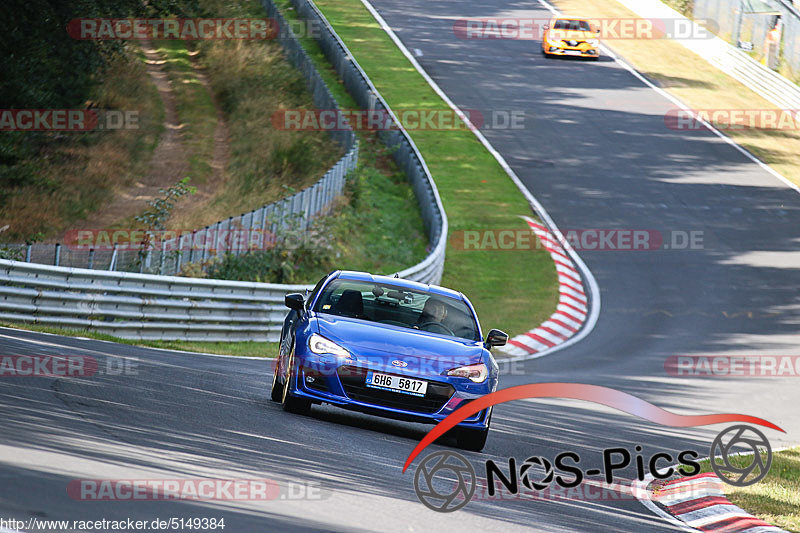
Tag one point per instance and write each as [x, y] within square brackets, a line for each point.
[542, 463]
[455, 474]
[740, 470]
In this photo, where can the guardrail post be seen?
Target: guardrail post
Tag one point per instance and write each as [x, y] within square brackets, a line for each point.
[28, 253]
[161, 262]
[179, 253]
[205, 244]
[112, 265]
[230, 230]
[90, 262]
[192, 244]
[57, 258]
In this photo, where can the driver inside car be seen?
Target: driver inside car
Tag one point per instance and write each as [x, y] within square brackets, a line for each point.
[433, 312]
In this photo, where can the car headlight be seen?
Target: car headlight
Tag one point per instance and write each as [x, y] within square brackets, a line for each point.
[320, 345]
[593, 42]
[477, 373]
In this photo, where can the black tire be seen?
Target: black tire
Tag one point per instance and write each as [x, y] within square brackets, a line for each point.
[277, 386]
[293, 404]
[472, 439]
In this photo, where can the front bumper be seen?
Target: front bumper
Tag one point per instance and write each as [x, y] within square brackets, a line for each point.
[327, 380]
[570, 51]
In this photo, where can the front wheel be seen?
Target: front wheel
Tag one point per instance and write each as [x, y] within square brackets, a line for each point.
[291, 403]
[277, 386]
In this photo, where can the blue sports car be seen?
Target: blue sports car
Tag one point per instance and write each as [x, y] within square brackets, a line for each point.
[389, 347]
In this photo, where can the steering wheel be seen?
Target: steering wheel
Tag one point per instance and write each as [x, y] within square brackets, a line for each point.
[447, 330]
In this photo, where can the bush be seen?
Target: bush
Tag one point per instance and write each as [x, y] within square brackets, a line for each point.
[295, 256]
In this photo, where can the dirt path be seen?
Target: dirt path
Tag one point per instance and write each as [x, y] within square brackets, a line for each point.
[186, 215]
[169, 163]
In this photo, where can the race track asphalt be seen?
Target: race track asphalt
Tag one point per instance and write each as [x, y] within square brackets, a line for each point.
[596, 153]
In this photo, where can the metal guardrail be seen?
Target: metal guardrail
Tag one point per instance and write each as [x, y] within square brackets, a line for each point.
[153, 307]
[142, 306]
[729, 59]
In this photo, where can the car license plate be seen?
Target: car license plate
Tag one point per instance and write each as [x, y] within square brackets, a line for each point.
[572, 52]
[415, 387]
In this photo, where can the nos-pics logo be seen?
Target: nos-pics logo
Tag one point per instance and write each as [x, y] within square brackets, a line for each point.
[445, 481]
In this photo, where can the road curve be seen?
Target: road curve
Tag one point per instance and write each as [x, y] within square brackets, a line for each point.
[596, 153]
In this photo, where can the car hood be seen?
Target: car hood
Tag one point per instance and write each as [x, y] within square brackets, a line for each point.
[572, 35]
[371, 340]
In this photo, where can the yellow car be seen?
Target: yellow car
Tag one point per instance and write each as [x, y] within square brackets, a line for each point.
[570, 37]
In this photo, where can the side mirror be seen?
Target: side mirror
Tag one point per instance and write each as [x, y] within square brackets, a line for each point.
[294, 301]
[496, 337]
[546, 26]
[597, 31]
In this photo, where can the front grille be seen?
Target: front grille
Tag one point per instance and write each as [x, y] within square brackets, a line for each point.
[353, 379]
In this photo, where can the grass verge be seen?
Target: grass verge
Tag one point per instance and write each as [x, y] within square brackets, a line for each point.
[249, 349]
[514, 289]
[776, 498]
[699, 85]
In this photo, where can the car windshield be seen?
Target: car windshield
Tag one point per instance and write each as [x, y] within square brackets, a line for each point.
[398, 306]
[573, 25]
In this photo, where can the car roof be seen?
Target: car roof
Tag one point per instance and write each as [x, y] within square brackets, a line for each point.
[400, 282]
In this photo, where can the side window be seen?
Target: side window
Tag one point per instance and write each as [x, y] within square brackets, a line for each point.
[314, 291]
